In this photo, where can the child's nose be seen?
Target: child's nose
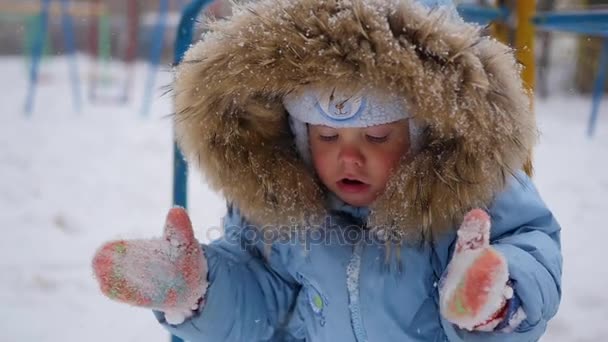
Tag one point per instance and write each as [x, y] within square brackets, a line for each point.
[351, 156]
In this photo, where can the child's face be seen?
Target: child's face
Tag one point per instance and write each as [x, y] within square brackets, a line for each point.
[356, 163]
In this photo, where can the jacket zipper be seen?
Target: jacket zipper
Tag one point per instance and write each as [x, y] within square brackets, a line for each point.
[352, 283]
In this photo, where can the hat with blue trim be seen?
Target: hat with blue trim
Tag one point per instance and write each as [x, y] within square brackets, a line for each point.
[344, 107]
[340, 107]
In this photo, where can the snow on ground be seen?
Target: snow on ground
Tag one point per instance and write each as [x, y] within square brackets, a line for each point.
[71, 181]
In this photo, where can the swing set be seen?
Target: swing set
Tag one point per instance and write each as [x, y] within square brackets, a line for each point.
[102, 86]
[38, 40]
[592, 22]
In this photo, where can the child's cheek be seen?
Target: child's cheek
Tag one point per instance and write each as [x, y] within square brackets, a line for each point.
[389, 160]
[322, 161]
[387, 163]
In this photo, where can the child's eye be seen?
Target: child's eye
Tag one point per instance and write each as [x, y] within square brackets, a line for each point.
[377, 139]
[328, 137]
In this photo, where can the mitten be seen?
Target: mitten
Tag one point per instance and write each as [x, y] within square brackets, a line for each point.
[167, 274]
[475, 294]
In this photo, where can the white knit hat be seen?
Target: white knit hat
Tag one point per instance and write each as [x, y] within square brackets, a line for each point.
[340, 108]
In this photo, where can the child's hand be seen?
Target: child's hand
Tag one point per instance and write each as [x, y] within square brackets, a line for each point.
[167, 274]
[474, 293]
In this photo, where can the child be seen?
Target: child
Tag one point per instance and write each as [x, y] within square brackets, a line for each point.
[351, 139]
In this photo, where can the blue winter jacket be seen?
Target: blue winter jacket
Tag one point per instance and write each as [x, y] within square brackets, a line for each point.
[343, 289]
[473, 129]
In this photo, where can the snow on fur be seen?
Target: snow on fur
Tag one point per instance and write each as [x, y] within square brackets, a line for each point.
[463, 88]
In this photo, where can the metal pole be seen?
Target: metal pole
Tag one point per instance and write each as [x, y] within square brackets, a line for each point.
[482, 15]
[185, 32]
[131, 53]
[524, 41]
[500, 29]
[157, 40]
[70, 41]
[93, 48]
[37, 50]
[524, 51]
[598, 89]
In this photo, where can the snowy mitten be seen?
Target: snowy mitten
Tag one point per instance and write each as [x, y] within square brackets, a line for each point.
[474, 293]
[167, 274]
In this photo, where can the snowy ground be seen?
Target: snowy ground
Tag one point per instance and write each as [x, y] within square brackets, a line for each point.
[72, 181]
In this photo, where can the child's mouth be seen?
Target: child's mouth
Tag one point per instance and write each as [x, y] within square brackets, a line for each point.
[352, 185]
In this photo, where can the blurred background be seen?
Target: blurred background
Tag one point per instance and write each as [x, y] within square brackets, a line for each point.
[86, 152]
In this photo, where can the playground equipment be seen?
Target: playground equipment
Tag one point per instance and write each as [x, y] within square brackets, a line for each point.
[155, 53]
[156, 49]
[482, 15]
[100, 78]
[100, 46]
[55, 9]
[157, 39]
[67, 12]
[28, 19]
[588, 22]
[592, 23]
[185, 32]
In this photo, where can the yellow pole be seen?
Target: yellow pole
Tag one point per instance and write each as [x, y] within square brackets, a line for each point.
[500, 30]
[524, 40]
[524, 50]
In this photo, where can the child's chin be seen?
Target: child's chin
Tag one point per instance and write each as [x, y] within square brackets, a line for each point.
[357, 201]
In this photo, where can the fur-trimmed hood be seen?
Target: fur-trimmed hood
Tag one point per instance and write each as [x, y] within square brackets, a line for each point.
[463, 87]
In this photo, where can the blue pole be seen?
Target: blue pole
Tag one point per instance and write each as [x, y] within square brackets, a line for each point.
[482, 15]
[185, 29]
[599, 87]
[185, 32]
[157, 40]
[70, 41]
[583, 29]
[593, 23]
[37, 50]
[594, 17]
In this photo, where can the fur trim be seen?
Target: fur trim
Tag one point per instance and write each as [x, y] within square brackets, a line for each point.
[463, 87]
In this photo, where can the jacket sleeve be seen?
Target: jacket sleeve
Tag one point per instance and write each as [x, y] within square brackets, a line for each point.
[250, 297]
[527, 234]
